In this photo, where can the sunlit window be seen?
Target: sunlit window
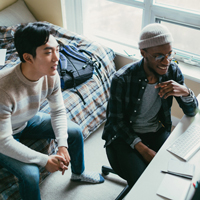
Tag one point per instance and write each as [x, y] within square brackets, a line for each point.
[184, 4]
[186, 38]
[117, 22]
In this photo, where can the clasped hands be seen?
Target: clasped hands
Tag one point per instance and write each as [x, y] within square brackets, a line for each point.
[172, 88]
[59, 162]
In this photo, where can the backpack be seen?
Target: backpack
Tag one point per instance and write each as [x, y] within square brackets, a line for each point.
[75, 67]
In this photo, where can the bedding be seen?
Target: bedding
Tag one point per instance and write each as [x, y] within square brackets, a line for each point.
[95, 92]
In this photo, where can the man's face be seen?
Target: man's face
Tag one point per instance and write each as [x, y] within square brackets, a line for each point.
[47, 57]
[155, 66]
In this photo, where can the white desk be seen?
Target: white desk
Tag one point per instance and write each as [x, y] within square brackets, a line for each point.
[149, 182]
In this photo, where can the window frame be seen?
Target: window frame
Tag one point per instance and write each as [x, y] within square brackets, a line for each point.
[152, 12]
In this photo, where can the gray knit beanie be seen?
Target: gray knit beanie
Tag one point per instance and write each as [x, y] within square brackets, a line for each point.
[154, 35]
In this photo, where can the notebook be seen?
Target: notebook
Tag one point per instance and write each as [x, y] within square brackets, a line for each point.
[2, 56]
[173, 186]
[181, 168]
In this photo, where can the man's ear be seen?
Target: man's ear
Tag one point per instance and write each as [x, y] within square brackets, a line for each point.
[28, 58]
[143, 53]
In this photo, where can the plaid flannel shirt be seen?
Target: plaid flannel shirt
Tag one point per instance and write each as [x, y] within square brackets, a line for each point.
[127, 88]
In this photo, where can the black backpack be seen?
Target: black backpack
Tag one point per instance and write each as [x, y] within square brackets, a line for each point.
[75, 67]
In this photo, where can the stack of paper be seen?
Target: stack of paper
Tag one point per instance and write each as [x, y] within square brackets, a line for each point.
[181, 168]
[177, 180]
[2, 56]
[174, 187]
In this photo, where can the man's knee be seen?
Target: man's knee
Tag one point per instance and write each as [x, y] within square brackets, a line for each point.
[75, 132]
[77, 135]
[32, 176]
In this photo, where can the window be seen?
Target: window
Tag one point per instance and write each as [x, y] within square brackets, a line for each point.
[192, 5]
[183, 21]
[117, 22]
[185, 38]
[120, 22]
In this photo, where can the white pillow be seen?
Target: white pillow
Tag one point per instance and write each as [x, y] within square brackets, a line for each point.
[15, 14]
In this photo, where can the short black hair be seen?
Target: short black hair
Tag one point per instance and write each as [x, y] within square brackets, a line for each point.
[30, 36]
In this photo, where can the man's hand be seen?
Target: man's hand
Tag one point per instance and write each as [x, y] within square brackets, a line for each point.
[54, 163]
[172, 88]
[62, 151]
[147, 154]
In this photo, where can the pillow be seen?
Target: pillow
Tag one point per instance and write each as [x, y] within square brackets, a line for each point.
[15, 14]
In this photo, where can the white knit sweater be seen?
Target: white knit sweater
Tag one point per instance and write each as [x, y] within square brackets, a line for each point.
[20, 100]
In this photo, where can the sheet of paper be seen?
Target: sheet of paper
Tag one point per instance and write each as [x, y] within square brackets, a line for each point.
[179, 167]
[174, 188]
[2, 56]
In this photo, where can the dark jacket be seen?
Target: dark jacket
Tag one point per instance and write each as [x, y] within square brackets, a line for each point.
[127, 88]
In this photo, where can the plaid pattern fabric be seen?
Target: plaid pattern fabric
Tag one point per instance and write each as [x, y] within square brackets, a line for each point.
[9, 188]
[95, 92]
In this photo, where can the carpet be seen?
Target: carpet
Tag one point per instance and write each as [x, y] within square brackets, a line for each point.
[59, 187]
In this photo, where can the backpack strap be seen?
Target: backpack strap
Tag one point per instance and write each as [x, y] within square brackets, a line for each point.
[74, 87]
[95, 63]
[62, 69]
[63, 63]
[79, 94]
[73, 52]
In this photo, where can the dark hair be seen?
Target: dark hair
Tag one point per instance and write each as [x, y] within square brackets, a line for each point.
[28, 37]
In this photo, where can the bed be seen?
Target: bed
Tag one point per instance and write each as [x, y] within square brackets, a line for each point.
[94, 91]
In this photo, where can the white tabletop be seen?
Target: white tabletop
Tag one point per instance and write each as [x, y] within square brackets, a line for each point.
[149, 182]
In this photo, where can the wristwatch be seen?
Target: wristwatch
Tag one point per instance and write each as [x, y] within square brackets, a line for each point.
[188, 98]
[191, 93]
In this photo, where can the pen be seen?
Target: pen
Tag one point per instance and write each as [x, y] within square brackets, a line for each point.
[179, 175]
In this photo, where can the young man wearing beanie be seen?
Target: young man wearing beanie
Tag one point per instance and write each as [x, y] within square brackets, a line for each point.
[139, 108]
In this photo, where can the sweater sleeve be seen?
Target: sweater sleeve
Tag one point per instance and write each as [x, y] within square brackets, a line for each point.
[58, 114]
[8, 145]
[14, 149]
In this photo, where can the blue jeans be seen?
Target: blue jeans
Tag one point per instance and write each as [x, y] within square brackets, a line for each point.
[39, 127]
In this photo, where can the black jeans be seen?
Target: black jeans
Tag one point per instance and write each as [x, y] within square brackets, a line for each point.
[127, 162]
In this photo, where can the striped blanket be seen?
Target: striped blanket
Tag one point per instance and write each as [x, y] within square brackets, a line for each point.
[95, 92]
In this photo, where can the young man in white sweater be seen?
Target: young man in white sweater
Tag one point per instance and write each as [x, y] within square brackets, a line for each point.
[22, 89]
